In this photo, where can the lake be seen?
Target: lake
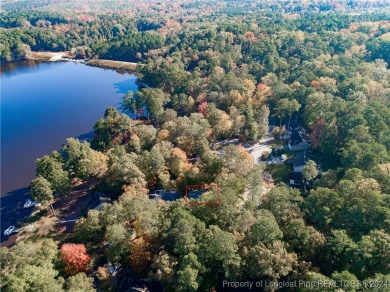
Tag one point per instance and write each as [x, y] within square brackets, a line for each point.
[42, 104]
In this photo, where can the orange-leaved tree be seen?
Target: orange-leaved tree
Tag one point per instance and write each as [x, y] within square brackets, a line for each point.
[75, 258]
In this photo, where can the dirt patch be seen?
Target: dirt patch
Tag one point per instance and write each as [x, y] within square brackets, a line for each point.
[268, 186]
[116, 65]
[70, 206]
[48, 56]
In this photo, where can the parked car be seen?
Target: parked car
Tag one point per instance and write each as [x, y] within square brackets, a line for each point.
[31, 204]
[10, 230]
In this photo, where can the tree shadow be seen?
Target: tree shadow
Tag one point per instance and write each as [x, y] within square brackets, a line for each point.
[86, 136]
[12, 209]
[124, 86]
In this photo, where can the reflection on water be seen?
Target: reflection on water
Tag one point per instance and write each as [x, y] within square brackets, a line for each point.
[43, 103]
[29, 66]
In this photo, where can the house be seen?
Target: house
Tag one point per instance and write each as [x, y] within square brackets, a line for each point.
[294, 126]
[297, 142]
[173, 195]
[300, 161]
[165, 195]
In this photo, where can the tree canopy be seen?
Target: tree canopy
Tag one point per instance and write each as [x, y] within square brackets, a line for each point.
[211, 76]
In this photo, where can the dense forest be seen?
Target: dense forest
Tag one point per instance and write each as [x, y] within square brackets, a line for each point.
[208, 77]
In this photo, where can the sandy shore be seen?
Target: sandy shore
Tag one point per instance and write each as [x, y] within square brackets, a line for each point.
[48, 56]
[66, 56]
[116, 65]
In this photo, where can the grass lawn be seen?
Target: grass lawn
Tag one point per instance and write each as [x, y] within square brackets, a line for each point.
[279, 172]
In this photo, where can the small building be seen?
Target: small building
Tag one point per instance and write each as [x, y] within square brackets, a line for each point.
[297, 142]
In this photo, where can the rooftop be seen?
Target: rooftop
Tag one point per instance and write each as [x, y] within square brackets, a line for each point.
[300, 159]
[297, 137]
[165, 195]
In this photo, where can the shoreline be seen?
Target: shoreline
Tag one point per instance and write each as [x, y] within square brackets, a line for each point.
[12, 201]
[110, 64]
[66, 56]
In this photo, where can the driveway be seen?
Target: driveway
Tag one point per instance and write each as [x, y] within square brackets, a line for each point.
[256, 150]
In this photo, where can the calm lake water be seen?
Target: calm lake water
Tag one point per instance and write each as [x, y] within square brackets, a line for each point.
[43, 103]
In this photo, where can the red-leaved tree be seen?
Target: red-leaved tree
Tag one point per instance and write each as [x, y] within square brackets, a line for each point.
[75, 258]
[316, 132]
[202, 108]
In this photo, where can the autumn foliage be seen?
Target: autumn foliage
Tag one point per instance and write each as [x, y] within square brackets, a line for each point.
[202, 108]
[75, 258]
[141, 254]
[316, 131]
